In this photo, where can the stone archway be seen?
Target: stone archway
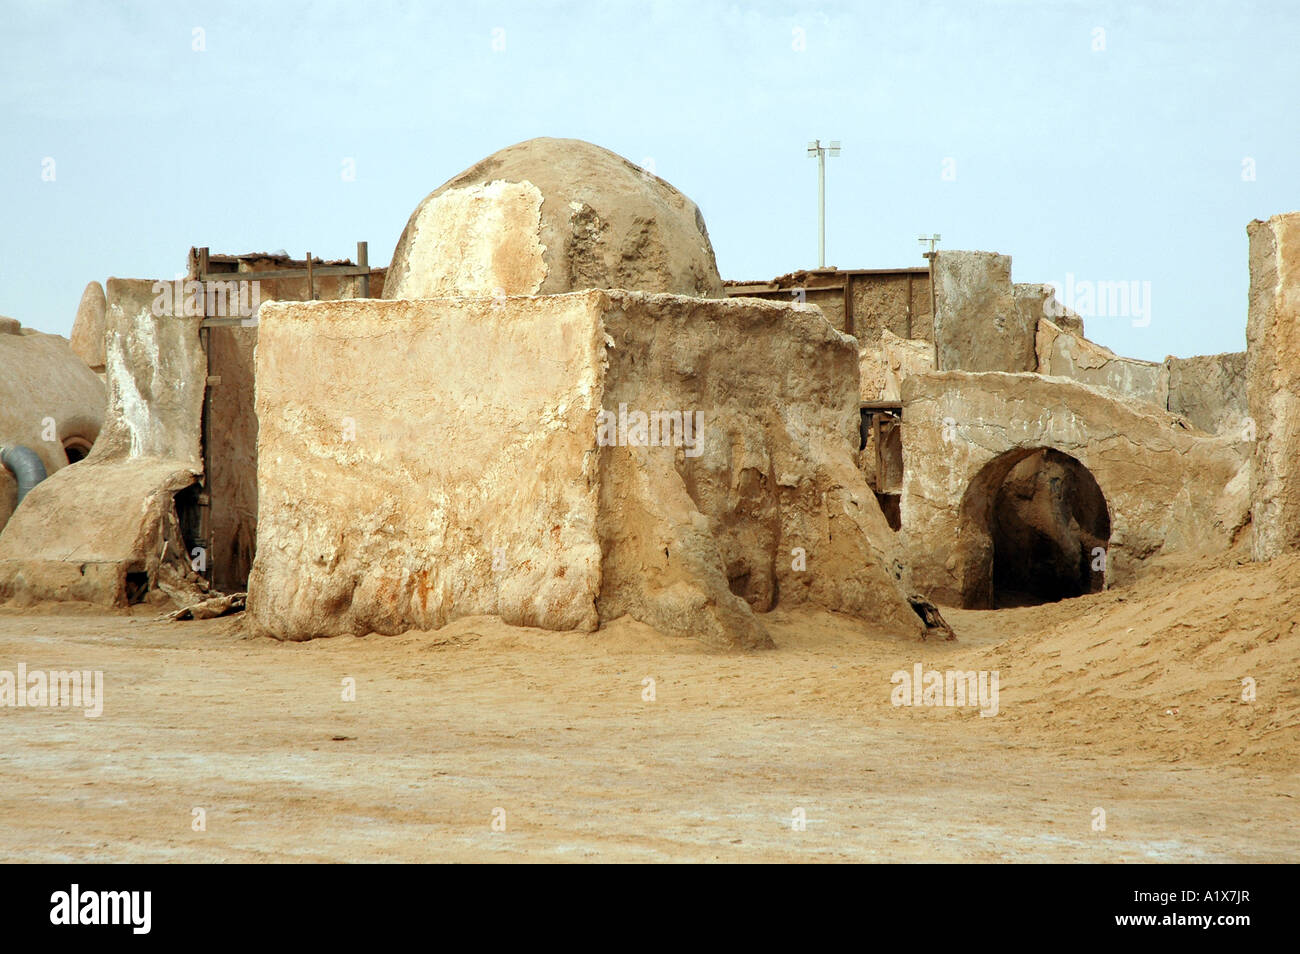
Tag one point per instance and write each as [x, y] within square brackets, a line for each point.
[1167, 488]
[1035, 527]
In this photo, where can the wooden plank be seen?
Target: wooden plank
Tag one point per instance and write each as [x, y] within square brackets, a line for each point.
[909, 304]
[888, 428]
[934, 318]
[817, 288]
[848, 310]
[788, 292]
[880, 458]
[882, 271]
[749, 289]
[319, 271]
[363, 262]
[311, 272]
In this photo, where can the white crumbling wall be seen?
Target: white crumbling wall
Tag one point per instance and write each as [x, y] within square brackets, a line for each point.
[479, 240]
[82, 530]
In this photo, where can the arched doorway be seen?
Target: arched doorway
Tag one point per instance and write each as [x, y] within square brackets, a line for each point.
[1034, 529]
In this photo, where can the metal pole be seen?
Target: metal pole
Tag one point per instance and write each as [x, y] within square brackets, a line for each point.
[821, 207]
[815, 148]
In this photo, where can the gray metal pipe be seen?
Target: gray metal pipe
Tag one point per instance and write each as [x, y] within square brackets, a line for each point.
[26, 466]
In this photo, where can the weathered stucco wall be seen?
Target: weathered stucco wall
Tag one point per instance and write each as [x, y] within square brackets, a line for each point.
[1038, 301]
[88, 328]
[1210, 391]
[156, 373]
[790, 517]
[389, 501]
[883, 367]
[81, 532]
[977, 326]
[1273, 382]
[1063, 354]
[408, 474]
[829, 301]
[1168, 489]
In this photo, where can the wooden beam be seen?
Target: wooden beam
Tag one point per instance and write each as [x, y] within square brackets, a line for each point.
[749, 291]
[363, 262]
[882, 271]
[848, 309]
[786, 292]
[880, 458]
[909, 304]
[934, 318]
[319, 271]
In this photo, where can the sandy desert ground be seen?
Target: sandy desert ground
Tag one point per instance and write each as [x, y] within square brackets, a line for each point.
[1128, 701]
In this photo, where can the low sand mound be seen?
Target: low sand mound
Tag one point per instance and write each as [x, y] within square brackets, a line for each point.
[1158, 667]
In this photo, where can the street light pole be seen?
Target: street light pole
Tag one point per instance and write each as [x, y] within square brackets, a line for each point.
[815, 148]
[821, 208]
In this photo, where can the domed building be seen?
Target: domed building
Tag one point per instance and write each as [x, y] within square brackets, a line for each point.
[548, 216]
[555, 416]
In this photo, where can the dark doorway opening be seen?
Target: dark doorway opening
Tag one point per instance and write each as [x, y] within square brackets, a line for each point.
[1050, 528]
[137, 586]
[880, 440]
[1035, 528]
[189, 517]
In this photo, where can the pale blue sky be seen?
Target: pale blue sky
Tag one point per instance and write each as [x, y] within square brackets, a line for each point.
[1121, 164]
